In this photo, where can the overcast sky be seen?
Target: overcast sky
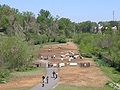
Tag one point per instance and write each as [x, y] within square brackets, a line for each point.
[76, 10]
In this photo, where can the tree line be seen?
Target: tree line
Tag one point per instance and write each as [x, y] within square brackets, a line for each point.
[44, 26]
[104, 46]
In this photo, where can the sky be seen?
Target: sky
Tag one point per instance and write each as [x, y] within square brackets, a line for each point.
[76, 10]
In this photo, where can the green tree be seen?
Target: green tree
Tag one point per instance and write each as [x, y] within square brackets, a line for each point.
[14, 53]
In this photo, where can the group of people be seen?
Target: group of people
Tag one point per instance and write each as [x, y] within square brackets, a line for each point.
[46, 79]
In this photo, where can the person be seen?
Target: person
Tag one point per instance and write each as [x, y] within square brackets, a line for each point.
[48, 65]
[54, 56]
[53, 74]
[56, 75]
[43, 78]
[47, 79]
[42, 84]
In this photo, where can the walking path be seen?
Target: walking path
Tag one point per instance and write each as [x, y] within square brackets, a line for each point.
[51, 81]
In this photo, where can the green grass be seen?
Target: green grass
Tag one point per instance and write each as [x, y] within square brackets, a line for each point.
[65, 87]
[35, 71]
[113, 74]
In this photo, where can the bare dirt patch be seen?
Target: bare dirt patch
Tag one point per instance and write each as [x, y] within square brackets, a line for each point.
[22, 82]
[90, 77]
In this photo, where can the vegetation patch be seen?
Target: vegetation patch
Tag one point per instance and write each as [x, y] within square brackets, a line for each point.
[65, 87]
[4, 74]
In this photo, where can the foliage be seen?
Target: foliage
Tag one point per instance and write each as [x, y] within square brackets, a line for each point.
[105, 46]
[14, 53]
[70, 87]
[111, 73]
[87, 42]
[61, 39]
[4, 73]
[4, 22]
[27, 26]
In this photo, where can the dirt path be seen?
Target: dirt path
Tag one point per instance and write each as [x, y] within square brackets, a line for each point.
[51, 81]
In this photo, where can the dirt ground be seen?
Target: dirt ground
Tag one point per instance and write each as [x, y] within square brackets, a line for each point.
[88, 77]
[73, 75]
[27, 81]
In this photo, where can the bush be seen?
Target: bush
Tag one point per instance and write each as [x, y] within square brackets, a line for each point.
[61, 39]
[14, 53]
[87, 55]
[4, 74]
[23, 69]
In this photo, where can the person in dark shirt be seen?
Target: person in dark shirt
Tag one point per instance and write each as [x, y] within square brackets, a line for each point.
[47, 79]
[43, 78]
[53, 74]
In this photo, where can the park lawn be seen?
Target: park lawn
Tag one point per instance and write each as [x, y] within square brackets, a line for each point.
[67, 87]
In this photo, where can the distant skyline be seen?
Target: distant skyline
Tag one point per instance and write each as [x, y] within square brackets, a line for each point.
[76, 10]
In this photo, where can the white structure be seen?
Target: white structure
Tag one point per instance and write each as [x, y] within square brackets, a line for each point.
[100, 28]
[63, 56]
[73, 64]
[114, 29]
[54, 65]
[61, 64]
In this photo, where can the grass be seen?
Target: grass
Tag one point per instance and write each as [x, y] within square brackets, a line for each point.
[113, 74]
[14, 75]
[65, 87]
[26, 88]
[35, 71]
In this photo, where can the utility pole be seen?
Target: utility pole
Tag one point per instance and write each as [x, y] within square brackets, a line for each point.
[113, 15]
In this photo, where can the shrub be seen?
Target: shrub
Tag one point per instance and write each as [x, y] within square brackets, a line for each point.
[14, 53]
[61, 39]
[88, 55]
[4, 74]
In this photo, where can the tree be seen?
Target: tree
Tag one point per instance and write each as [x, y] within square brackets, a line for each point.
[66, 27]
[87, 26]
[4, 22]
[14, 53]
